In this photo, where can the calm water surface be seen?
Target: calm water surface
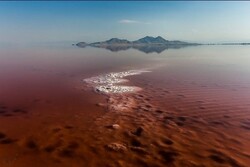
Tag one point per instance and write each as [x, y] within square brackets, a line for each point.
[29, 72]
[42, 94]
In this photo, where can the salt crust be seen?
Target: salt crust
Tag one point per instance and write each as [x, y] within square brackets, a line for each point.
[108, 83]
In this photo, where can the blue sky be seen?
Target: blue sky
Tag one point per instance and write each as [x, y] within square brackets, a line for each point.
[28, 22]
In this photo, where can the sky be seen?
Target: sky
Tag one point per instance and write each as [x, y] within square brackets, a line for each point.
[34, 22]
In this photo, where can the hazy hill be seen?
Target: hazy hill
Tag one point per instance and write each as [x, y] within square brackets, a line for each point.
[151, 40]
[148, 40]
[112, 41]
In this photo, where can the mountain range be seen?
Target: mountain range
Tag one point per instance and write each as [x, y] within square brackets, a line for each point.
[148, 40]
[147, 44]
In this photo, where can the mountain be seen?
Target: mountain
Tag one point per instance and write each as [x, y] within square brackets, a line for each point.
[146, 44]
[112, 41]
[148, 40]
[118, 41]
[151, 40]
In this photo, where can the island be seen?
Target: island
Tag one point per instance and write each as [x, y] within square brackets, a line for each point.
[147, 44]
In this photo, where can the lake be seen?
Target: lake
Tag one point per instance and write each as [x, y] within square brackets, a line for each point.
[191, 106]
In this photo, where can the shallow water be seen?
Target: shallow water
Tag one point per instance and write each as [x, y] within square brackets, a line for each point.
[46, 108]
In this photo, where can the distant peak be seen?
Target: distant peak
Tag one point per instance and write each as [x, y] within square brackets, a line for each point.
[115, 41]
[159, 37]
[150, 39]
[112, 39]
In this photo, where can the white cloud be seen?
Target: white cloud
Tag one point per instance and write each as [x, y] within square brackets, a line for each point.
[128, 21]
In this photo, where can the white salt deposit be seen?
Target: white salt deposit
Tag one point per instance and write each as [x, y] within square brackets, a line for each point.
[116, 89]
[107, 83]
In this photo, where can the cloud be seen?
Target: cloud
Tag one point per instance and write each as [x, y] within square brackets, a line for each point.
[128, 21]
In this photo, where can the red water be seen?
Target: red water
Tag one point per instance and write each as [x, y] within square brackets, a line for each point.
[194, 108]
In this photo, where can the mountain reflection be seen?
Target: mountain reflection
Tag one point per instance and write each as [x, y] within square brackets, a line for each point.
[143, 48]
